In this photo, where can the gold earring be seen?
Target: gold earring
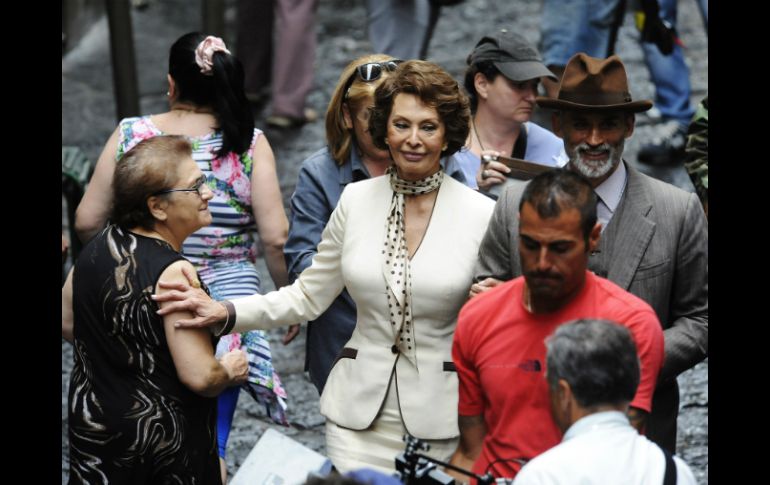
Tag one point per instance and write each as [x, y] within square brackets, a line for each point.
[446, 145]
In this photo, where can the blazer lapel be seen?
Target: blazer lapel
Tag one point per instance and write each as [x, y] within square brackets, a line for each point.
[629, 231]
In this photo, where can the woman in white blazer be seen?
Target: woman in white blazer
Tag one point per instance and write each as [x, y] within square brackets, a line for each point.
[404, 244]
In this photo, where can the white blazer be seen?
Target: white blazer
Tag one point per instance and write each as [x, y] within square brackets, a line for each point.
[350, 255]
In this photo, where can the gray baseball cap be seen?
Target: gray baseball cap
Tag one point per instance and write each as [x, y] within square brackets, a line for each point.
[514, 56]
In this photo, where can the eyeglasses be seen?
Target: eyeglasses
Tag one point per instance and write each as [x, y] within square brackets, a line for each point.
[371, 71]
[200, 182]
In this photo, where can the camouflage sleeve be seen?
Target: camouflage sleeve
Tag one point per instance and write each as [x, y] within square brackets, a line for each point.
[697, 150]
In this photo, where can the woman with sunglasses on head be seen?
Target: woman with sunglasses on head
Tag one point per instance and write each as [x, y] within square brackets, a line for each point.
[209, 106]
[350, 156]
[141, 394]
[404, 245]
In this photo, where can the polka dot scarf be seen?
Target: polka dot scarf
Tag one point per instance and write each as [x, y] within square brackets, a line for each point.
[395, 265]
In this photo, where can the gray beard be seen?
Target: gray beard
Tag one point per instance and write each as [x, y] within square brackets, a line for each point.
[590, 169]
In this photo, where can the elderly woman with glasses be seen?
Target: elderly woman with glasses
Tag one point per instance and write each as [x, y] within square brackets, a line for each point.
[208, 104]
[350, 156]
[141, 395]
[404, 245]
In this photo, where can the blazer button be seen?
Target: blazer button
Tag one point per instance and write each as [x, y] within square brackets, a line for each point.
[394, 349]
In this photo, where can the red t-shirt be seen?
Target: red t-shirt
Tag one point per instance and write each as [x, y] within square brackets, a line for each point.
[499, 351]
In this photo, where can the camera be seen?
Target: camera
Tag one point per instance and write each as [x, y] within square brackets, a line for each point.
[414, 468]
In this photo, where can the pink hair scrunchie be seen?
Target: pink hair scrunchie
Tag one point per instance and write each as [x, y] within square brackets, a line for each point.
[205, 51]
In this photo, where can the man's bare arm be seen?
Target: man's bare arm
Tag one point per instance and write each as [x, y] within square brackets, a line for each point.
[473, 429]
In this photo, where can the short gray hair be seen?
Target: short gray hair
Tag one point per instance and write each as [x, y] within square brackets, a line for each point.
[598, 359]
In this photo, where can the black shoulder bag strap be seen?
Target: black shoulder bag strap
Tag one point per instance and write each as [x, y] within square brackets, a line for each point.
[520, 146]
[669, 476]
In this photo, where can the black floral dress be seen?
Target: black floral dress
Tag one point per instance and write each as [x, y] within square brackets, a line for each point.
[130, 418]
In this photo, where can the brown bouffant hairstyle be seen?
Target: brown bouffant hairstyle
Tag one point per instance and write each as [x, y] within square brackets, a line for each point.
[436, 88]
[340, 139]
[145, 169]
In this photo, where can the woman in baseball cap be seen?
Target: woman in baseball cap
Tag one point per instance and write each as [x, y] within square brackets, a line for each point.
[504, 71]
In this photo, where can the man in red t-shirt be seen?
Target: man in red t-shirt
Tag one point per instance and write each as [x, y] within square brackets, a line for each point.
[499, 349]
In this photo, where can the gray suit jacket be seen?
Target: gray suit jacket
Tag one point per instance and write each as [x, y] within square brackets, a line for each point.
[656, 247]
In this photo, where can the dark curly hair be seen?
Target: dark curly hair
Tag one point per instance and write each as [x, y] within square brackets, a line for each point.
[436, 88]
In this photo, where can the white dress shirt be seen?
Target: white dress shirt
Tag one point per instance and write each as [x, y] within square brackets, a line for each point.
[600, 449]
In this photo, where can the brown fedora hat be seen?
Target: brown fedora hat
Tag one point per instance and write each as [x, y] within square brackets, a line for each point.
[594, 84]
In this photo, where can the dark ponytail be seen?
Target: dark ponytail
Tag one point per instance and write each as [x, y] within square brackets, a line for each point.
[230, 105]
[223, 91]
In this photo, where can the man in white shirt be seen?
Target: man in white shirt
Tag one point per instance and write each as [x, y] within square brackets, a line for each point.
[593, 372]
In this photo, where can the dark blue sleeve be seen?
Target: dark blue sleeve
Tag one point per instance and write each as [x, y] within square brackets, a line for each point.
[311, 208]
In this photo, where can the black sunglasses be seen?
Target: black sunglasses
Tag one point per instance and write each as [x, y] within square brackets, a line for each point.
[371, 71]
[199, 183]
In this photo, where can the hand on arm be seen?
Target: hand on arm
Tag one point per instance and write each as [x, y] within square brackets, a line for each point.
[94, 207]
[190, 307]
[482, 286]
[307, 298]
[192, 350]
[473, 429]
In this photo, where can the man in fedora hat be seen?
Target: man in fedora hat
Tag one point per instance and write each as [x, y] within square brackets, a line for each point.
[503, 74]
[592, 26]
[654, 236]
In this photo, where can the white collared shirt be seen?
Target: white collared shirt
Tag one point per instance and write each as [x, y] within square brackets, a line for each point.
[609, 193]
[602, 448]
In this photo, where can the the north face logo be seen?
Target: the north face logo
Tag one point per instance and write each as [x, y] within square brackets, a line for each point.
[531, 365]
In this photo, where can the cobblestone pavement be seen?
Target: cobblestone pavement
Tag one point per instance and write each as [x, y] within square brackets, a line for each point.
[88, 118]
